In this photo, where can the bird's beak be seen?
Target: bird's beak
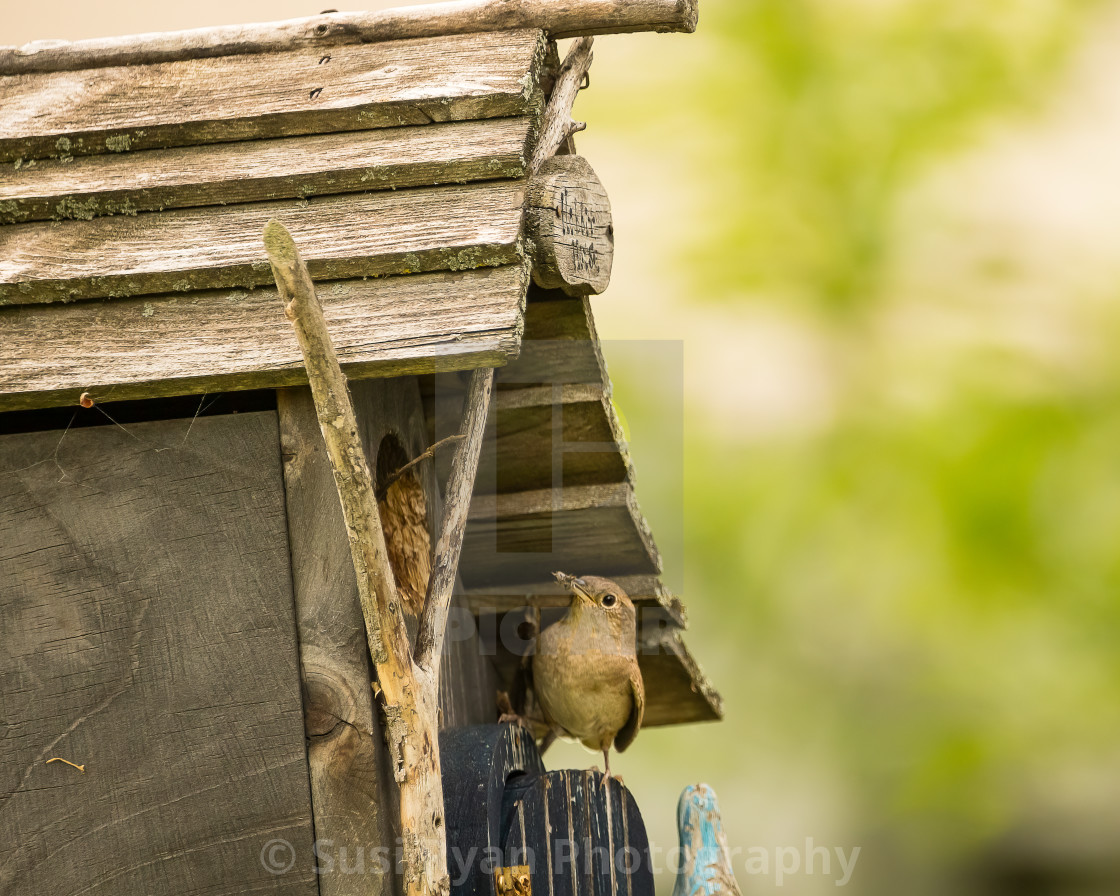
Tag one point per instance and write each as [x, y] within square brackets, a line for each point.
[576, 585]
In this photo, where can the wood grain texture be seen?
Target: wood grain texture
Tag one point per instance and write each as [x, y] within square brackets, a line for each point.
[570, 227]
[566, 436]
[557, 126]
[263, 170]
[651, 598]
[247, 97]
[554, 422]
[453, 521]
[146, 632]
[543, 436]
[559, 18]
[351, 788]
[219, 341]
[561, 344]
[677, 690]
[583, 832]
[350, 771]
[358, 235]
[523, 536]
[558, 422]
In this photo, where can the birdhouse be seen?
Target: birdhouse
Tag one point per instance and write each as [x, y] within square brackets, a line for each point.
[184, 664]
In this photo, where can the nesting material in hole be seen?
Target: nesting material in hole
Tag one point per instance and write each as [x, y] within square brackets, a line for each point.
[404, 519]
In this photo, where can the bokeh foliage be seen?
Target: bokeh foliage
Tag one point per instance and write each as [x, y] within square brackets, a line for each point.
[910, 604]
[825, 110]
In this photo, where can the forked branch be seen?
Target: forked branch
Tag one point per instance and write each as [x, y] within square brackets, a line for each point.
[558, 125]
[409, 686]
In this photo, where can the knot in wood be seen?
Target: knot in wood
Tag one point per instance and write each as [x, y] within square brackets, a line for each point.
[328, 699]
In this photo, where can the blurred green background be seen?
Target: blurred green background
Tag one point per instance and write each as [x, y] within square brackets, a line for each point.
[885, 232]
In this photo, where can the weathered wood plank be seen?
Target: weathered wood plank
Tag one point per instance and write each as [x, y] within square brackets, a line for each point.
[442, 228]
[262, 170]
[543, 436]
[559, 349]
[677, 690]
[304, 91]
[523, 536]
[545, 439]
[559, 18]
[220, 341]
[651, 598]
[350, 778]
[561, 344]
[147, 629]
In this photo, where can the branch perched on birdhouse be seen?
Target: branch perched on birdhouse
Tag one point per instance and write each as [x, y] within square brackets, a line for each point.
[558, 126]
[409, 680]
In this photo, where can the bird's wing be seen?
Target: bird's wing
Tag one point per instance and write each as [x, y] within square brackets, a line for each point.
[630, 730]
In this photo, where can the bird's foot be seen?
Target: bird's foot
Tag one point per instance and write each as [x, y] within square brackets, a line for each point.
[515, 719]
[606, 776]
[509, 714]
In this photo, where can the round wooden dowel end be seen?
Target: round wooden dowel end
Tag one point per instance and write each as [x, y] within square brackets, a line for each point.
[570, 228]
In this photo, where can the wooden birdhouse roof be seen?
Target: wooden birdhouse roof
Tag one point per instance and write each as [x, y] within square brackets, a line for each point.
[398, 149]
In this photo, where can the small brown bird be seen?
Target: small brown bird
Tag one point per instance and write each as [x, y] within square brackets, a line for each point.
[585, 670]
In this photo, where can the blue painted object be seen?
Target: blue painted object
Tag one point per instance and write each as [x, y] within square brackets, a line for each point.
[705, 860]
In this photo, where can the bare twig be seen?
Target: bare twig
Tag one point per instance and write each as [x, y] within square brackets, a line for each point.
[383, 489]
[558, 125]
[460, 486]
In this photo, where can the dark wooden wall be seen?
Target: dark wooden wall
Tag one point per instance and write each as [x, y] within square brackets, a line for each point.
[167, 591]
[147, 633]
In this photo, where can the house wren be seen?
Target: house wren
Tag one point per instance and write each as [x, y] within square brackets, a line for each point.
[585, 670]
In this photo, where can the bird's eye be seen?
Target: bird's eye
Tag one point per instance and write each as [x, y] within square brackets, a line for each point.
[609, 600]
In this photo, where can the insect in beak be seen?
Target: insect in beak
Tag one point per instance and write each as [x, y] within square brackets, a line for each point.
[576, 585]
